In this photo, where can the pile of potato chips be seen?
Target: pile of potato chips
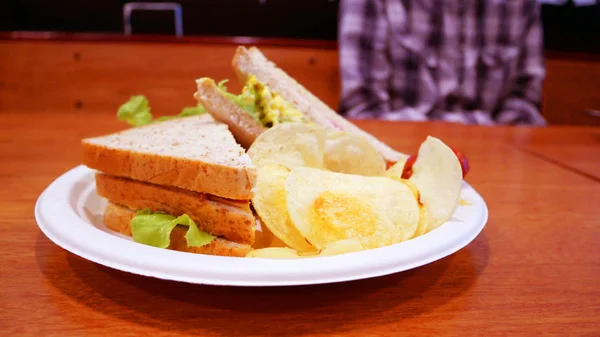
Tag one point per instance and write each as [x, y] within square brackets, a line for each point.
[322, 192]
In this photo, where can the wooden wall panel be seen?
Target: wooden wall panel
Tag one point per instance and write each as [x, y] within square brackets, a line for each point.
[80, 76]
[100, 75]
[572, 86]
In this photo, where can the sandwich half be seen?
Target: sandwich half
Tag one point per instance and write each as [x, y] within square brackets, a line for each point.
[182, 184]
[118, 218]
[270, 96]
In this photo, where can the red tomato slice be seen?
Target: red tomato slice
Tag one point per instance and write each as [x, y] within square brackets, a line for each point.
[464, 163]
[462, 159]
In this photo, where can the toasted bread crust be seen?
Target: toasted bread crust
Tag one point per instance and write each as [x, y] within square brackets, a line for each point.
[118, 219]
[251, 61]
[231, 177]
[223, 181]
[227, 218]
[244, 128]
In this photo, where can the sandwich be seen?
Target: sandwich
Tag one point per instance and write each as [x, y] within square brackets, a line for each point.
[185, 182]
[182, 184]
[270, 97]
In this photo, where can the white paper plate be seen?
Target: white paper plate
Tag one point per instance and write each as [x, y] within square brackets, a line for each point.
[69, 212]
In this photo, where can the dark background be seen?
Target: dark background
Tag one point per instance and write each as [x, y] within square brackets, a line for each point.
[567, 27]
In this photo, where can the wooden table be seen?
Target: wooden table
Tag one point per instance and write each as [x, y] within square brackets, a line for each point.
[571, 147]
[533, 270]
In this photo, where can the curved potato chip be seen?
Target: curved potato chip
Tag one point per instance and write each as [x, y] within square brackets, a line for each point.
[264, 238]
[340, 215]
[342, 247]
[269, 201]
[350, 153]
[395, 171]
[423, 222]
[438, 176]
[423, 217]
[335, 248]
[289, 144]
[326, 207]
[274, 253]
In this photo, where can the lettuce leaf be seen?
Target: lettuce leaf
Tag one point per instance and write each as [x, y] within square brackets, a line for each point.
[246, 100]
[154, 229]
[186, 112]
[136, 111]
[221, 85]
[192, 111]
[164, 118]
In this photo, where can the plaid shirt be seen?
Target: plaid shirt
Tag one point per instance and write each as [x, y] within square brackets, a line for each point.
[466, 61]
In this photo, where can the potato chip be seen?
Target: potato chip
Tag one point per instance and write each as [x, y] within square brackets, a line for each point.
[274, 253]
[438, 176]
[340, 215]
[395, 172]
[423, 225]
[342, 247]
[350, 153]
[423, 217]
[327, 207]
[264, 238]
[289, 144]
[269, 201]
[335, 248]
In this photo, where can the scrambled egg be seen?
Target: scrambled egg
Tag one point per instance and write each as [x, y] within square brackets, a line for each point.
[271, 108]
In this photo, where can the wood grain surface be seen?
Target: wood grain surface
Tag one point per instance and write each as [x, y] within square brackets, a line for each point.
[534, 270]
[572, 87]
[82, 76]
[572, 147]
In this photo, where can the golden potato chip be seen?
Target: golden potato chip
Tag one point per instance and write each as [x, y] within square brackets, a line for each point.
[342, 247]
[264, 238]
[274, 253]
[350, 153]
[413, 188]
[269, 201]
[423, 217]
[289, 144]
[423, 222]
[395, 172]
[340, 215]
[334, 248]
[438, 176]
[327, 207]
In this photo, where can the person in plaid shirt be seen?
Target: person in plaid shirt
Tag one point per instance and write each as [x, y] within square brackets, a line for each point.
[466, 61]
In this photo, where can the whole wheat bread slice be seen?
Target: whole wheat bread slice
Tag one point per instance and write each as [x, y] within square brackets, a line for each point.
[244, 128]
[231, 219]
[194, 153]
[251, 61]
[118, 219]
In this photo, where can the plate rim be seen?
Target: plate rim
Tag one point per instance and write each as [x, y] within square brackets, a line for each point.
[238, 271]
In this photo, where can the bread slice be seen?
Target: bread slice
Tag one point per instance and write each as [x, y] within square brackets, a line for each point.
[244, 128]
[118, 219]
[231, 219]
[194, 153]
[251, 61]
